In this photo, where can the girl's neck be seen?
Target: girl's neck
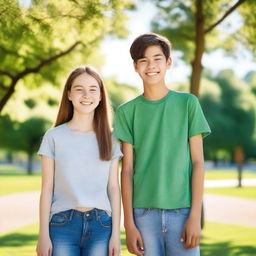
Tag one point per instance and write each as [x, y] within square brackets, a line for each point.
[81, 123]
[155, 92]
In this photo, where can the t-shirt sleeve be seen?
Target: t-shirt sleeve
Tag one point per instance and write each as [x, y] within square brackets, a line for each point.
[116, 150]
[47, 146]
[197, 123]
[122, 129]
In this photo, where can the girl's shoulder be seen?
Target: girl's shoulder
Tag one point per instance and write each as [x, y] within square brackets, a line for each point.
[57, 130]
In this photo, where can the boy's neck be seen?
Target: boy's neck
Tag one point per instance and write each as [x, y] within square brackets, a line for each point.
[155, 92]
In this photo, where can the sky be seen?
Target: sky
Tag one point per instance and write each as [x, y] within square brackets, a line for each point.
[118, 62]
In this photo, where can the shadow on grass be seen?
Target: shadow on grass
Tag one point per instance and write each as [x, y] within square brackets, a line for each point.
[17, 240]
[226, 248]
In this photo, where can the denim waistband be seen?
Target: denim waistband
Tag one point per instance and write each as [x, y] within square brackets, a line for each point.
[86, 214]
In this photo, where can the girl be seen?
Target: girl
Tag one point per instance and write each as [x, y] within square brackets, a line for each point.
[80, 189]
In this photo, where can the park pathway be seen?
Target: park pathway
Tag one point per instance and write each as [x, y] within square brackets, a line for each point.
[17, 210]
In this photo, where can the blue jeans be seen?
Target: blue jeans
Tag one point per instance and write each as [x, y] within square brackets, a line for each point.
[75, 233]
[161, 231]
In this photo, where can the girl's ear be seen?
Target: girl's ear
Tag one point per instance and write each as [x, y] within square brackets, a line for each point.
[69, 96]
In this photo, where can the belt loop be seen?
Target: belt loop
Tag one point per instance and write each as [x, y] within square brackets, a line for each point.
[71, 214]
[97, 214]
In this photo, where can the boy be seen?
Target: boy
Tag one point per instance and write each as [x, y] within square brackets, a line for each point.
[162, 168]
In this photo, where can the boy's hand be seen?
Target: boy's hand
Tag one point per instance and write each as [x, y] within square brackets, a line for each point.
[134, 241]
[191, 234]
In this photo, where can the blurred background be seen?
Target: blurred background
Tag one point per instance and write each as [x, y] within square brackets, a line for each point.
[214, 52]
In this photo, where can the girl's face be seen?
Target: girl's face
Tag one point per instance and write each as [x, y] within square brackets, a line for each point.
[84, 94]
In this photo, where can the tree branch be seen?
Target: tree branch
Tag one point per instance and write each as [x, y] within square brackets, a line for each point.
[10, 52]
[46, 61]
[16, 78]
[6, 74]
[229, 11]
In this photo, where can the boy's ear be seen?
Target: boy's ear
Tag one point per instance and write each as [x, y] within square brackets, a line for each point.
[169, 62]
[135, 66]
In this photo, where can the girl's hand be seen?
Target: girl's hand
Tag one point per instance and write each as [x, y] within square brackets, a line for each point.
[134, 240]
[44, 247]
[114, 246]
[191, 234]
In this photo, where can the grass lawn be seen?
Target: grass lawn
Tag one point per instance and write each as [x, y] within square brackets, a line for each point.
[13, 180]
[227, 174]
[218, 240]
[244, 192]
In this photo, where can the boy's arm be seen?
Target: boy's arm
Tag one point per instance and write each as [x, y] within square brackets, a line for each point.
[192, 231]
[133, 237]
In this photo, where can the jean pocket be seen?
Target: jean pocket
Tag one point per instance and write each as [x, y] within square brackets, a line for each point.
[141, 212]
[59, 219]
[104, 219]
[184, 211]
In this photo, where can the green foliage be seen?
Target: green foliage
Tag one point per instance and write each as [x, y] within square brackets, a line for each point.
[176, 20]
[48, 37]
[25, 136]
[120, 93]
[230, 108]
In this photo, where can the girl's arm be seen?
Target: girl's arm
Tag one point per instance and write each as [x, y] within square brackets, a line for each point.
[44, 246]
[115, 201]
[192, 232]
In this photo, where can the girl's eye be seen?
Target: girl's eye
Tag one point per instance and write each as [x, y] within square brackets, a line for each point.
[157, 59]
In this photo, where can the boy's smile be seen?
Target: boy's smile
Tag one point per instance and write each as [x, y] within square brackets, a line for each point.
[152, 67]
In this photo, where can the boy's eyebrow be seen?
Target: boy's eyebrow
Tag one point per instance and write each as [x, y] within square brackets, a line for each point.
[156, 55]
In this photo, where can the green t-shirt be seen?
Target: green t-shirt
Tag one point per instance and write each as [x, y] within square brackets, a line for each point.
[159, 132]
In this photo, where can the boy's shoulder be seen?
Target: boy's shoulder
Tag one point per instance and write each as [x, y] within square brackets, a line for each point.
[184, 95]
[129, 104]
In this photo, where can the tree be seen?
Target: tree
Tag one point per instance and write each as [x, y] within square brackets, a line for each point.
[29, 136]
[230, 108]
[38, 42]
[119, 93]
[192, 26]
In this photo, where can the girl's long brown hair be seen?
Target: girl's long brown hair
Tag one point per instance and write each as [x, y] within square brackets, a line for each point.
[101, 120]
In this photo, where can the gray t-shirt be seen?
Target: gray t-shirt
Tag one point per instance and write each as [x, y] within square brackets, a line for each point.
[80, 176]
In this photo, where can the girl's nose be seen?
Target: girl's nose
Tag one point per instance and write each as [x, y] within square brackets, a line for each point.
[85, 93]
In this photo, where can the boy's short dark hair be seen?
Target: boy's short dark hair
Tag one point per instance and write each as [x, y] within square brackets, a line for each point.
[141, 43]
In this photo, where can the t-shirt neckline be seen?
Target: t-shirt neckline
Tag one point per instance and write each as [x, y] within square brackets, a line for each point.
[156, 101]
[78, 133]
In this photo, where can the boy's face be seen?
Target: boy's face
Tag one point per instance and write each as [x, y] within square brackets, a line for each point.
[152, 67]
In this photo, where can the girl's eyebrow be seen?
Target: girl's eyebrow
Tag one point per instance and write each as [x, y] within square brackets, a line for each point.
[91, 86]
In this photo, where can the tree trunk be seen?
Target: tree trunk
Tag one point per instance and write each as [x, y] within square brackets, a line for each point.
[239, 159]
[199, 49]
[30, 163]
